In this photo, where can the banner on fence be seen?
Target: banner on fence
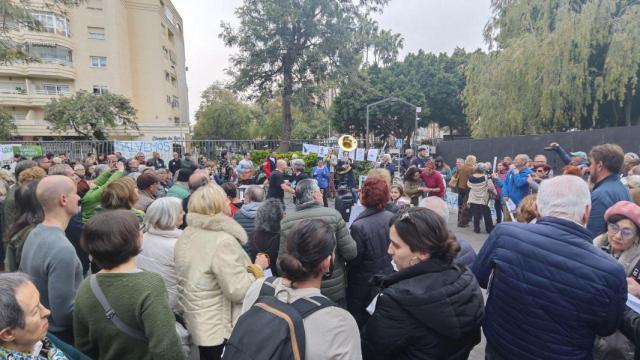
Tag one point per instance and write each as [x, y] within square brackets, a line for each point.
[372, 155]
[310, 148]
[6, 152]
[129, 149]
[28, 151]
[352, 154]
[359, 154]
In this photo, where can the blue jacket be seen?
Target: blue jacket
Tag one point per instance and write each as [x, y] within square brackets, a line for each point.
[321, 176]
[516, 186]
[550, 291]
[603, 195]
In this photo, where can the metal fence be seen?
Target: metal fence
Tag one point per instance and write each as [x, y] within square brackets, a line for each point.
[78, 149]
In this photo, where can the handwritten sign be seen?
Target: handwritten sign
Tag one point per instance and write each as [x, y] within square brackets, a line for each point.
[6, 152]
[129, 149]
[359, 154]
[372, 155]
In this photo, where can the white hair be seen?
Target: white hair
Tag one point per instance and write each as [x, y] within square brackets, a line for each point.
[163, 213]
[633, 181]
[437, 205]
[564, 196]
[524, 157]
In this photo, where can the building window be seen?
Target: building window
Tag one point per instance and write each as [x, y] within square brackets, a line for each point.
[54, 89]
[168, 99]
[51, 23]
[50, 54]
[174, 81]
[167, 76]
[100, 89]
[94, 4]
[175, 103]
[97, 33]
[99, 61]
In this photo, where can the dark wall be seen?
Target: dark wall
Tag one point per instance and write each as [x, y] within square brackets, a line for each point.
[627, 137]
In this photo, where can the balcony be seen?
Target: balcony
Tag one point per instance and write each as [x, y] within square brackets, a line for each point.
[47, 68]
[35, 98]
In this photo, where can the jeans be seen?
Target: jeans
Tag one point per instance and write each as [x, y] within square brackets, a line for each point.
[498, 207]
[479, 211]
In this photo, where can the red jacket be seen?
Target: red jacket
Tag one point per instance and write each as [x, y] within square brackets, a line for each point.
[266, 167]
[435, 180]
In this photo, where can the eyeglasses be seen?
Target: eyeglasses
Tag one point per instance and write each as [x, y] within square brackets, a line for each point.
[624, 232]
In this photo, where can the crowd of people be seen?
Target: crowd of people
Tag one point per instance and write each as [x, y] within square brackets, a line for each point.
[115, 258]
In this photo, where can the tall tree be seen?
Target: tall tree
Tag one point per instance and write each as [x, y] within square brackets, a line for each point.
[222, 115]
[556, 65]
[7, 125]
[90, 116]
[17, 14]
[285, 46]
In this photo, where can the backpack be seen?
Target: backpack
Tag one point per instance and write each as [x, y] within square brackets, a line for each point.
[272, 329]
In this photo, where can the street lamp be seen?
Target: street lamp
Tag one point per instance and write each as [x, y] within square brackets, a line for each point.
[418, 110]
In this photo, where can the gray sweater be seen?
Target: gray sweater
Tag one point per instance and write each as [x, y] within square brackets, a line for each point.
[51, 261]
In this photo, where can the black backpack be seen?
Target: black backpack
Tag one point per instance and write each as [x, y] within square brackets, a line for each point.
[272, 329]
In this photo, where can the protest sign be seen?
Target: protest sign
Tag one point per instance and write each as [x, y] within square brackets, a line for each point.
[28, 151]
[359, 154]
[6, 152]
[372, 155]
[129, 149]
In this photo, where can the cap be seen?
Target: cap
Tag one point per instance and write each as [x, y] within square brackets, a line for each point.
[626, 209]
[423, 147]
[581, 154]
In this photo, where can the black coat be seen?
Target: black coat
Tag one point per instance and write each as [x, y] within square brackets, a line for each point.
[370, 230]
[265, 242]
[428, 311]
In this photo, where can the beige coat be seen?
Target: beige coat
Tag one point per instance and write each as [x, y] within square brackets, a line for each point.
[212, 276]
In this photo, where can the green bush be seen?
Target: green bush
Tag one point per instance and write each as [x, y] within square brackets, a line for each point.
[310, 160]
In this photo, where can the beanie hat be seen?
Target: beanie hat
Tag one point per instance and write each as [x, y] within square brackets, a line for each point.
[145, 180]
[626, 209]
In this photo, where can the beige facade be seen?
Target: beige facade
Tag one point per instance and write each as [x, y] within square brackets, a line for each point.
[133, 48]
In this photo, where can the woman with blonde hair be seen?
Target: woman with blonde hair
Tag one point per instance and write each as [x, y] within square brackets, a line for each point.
[214, 272]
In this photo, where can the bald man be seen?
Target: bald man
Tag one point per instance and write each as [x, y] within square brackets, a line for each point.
[48, 256]
[276, 180]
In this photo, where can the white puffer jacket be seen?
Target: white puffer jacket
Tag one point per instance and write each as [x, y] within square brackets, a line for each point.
[212, 276]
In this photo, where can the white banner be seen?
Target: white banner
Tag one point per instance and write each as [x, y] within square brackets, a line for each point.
[310, 148]
[372, 155]
[129, 149]
[6, 151]
[359, 154]
[352, 154]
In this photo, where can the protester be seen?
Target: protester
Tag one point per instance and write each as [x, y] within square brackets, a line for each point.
[121, 194]
[162, 221]
[331, 160]
[398, 197]
[443, 169]
[28, 215]
[405, 163]
[187, 163]
[622, 241]
[330, 332]
[9, 201]
[321, 174]
[156, 162]
[232, 195]
[214, 272]
[370, 230]
[388, 165]
[175, 164]
[540, 173]
[138, 298]
[498, 180]
[265, 239]
[516, 183]
[148, 185]
[276, 180]
[526, 211]
[433, 181]
[48, 256]
[310, 207]
[571, 170]
[180, 188]
[347, 177]
[421, 158]
[43, 162]
[481, 190]
[466, 256]
[92, 198]
[413, 185]
[461, 183]
[552, 258]
[431, 308]
[24, 324]
[605, 163]
[246, 216]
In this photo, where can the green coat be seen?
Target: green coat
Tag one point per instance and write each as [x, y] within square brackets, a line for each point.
[92, 198]
[346, 249]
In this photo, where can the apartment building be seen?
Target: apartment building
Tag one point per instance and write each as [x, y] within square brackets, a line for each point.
[133, 48]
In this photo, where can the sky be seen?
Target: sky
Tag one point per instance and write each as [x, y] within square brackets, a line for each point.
[431, 25]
